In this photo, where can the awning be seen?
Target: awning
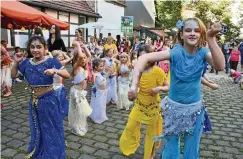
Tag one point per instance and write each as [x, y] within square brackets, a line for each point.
[21, 15]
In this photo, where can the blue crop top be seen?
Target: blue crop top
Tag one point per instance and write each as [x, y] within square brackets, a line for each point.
[80, 77]
[124, 69]
[186, 72]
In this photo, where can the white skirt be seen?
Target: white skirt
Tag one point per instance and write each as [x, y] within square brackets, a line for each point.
[98, 104]
[123, 88]
[79, 110]
[6, 79]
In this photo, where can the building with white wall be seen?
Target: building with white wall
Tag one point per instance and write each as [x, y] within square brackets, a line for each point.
[143, 11]
[73, 12]
[111, 12]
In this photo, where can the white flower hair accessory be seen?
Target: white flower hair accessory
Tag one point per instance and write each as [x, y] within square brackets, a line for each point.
[180, 24]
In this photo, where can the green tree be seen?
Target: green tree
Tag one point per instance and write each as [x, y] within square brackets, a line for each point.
[209, 12]
[168, 13]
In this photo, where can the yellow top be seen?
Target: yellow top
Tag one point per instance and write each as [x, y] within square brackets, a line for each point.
[147, 107]
[107, 46]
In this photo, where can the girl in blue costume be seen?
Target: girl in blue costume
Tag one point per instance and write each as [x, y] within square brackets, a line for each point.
[183, 109]
[99, 93]
[111, 74]
[45, 117]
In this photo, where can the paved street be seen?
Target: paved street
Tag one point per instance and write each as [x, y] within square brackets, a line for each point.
[225, 107]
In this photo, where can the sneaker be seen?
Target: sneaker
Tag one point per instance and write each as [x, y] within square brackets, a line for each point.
[18, 80]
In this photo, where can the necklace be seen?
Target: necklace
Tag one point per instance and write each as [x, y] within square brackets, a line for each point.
[33, 61]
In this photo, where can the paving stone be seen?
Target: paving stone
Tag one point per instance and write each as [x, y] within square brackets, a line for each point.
[109, 123]
[223, 143]
[232, 150]
[229, 138]
[225, 155]
[111, 129]
[101, 145]
[84, 156]
[114, 149]
[103, 154]
[112, 135]
[239, 145]
[73, 145]
[90, 135]
[88, 149]
[119, 157]
[5, 139]
[8, 152]
[73, 138]
[87, 142]
[19, 135]
[224, 107]
[72, 154]
[99, 132]
[235, 134]
[100, 138]
[113, 142]
[24, 129]
[20, 156]
[239, 156]
[119, 126]
[15, 143]
[9, 132]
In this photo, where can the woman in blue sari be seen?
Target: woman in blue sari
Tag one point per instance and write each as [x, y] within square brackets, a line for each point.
[45, 117]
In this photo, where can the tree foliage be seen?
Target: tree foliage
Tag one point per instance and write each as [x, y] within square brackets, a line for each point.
[168, 13]
[209, 12]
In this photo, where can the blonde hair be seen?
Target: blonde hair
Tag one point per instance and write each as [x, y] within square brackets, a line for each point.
[202, 30]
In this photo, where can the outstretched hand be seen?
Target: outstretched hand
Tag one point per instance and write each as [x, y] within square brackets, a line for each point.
[19, 56]
[214, 29]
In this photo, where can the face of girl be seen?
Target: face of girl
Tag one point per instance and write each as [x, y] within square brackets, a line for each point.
[123, 59]
[191, 33]
[100, 67]
[77, 34]
[110, 53]
[84, 57]
[37, 49]
[52, 30]
[158, 38]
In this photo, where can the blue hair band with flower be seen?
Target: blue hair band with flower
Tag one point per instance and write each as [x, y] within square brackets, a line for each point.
[180, 24]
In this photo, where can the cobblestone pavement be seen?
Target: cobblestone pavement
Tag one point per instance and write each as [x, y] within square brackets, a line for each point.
[225, 107]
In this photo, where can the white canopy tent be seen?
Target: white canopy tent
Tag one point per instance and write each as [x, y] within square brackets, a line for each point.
[103, 27]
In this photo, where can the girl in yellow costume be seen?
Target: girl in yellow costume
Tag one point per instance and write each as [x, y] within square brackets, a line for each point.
[146, 110]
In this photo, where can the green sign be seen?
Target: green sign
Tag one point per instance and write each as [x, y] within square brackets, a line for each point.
[127, 24]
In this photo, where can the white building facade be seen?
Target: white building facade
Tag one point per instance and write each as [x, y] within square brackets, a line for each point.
[111, 13]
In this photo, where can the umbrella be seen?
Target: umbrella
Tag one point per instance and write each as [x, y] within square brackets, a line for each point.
[99, 25]
[21, 15]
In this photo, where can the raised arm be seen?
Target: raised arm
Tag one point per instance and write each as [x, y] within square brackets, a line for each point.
[17, 59]
[216, 58]
[141, 64]
[87, 52]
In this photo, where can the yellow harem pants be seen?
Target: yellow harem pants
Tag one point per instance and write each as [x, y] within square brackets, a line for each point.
[129, 141]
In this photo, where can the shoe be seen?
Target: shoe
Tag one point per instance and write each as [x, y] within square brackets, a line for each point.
[18, 80]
